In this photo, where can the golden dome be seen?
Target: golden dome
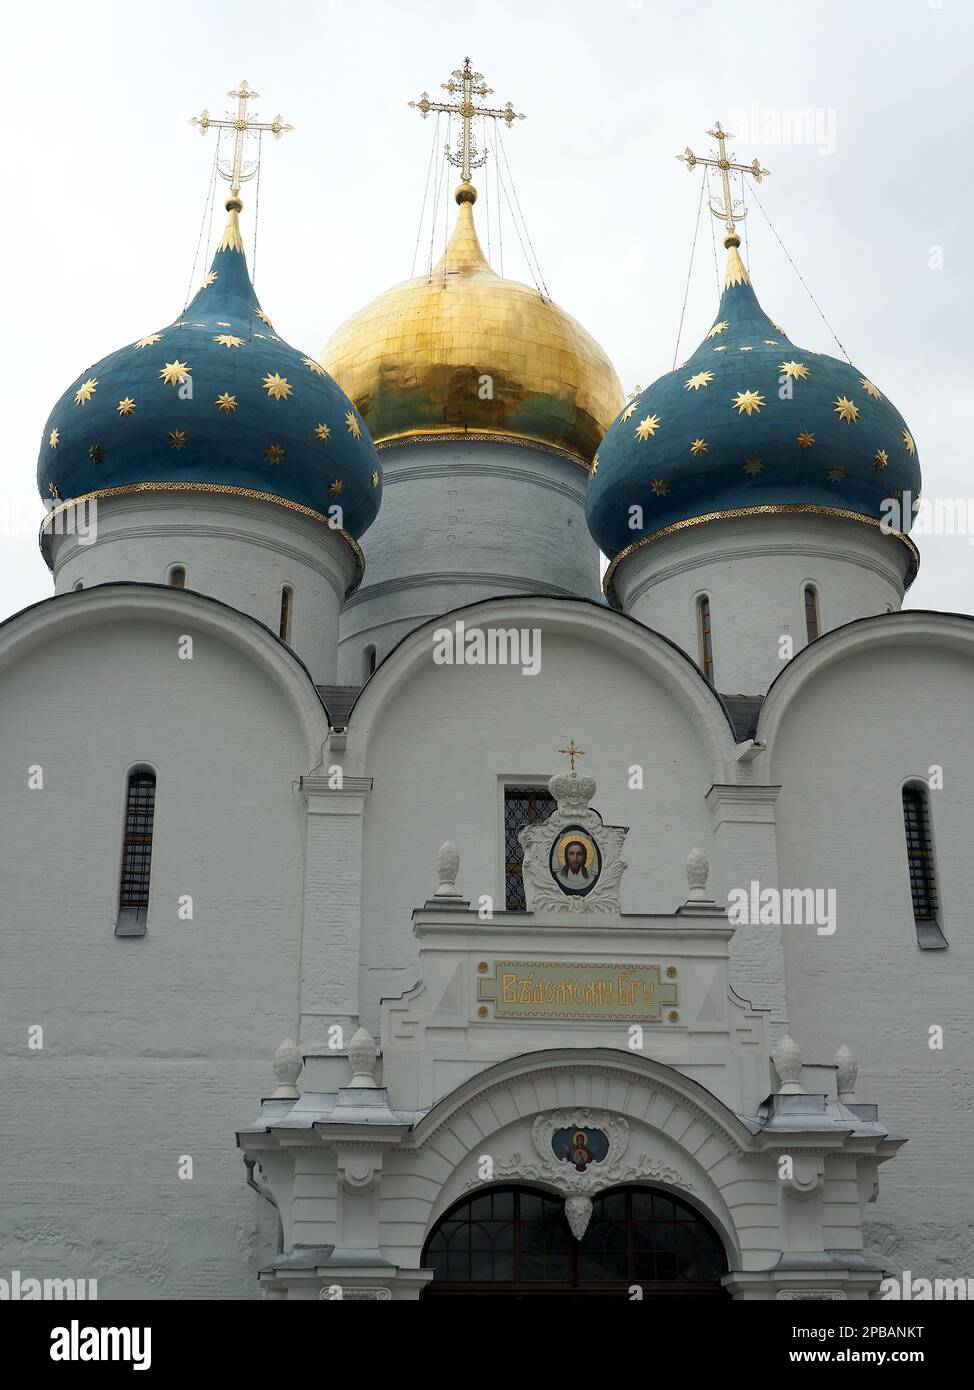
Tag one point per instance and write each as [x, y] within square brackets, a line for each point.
[464, 351]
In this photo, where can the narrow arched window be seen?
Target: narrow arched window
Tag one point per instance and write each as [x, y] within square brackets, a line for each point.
[923, 873]
[706, 638]
[133, 896]
[285, 627]
[177, 577]
[811, 612]
[78, 585]
[368, 662]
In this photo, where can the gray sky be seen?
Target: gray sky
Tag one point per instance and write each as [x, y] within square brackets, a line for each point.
[106, 183]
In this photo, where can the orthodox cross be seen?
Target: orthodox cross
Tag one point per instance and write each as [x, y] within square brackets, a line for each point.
[235, 172]
[468, 84]
[691, 160]
[572, 752]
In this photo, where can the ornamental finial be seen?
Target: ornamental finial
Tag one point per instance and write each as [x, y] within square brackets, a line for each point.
[732, 210]
[237, 171]
[572, 752]
[470, 87]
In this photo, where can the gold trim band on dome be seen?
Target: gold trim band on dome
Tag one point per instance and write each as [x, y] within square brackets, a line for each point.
[767, 508]
[453, 432]
[225, 489]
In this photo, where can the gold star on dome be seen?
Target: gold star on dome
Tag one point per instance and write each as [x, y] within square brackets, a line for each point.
[797, 370]
[595, 464]
[911, 448]
[221, 324]
[177, 440]
[753, 467]
[54, 438]
[880, 459]
[323, 433]
[336, 487]
[277, 386]
[313, 366]
[771, 342]
[745, 349]
[721, 349]
[226, 402]
[375, 477]
[658, 487]
[273, 453]
[352, 425]
[96, 453]
[263, 317]
[699, 446]
[628, 413]
[147, 342]
[845, 410]
[835, 475]
[718, 328]
[228, 340]
[208, 279]
[126, 406]
[53, 490]
[805, 440]
[85, 391]
[261, 336]
[870, 389]
[747, 402]
[698, 379]
[648, 427]
[174, 373]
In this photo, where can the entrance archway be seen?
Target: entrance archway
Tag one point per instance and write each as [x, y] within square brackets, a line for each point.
[515, 1242]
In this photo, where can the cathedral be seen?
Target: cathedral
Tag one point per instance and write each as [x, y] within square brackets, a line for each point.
[402, 903]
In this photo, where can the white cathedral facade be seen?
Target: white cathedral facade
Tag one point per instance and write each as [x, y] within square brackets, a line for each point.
[327, 973]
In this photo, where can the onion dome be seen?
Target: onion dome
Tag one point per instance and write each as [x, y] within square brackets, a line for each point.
[416, 360]
[215, 402]
[750, 423]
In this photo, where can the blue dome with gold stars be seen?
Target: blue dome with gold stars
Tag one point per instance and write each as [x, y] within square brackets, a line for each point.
[750, 423]
[216, 401]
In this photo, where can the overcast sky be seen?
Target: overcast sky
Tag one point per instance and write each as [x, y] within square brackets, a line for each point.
[105, 185]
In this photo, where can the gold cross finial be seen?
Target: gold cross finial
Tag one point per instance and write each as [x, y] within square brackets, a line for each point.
[732, 210]
[236, 172]
[573, 752]
[468, 85]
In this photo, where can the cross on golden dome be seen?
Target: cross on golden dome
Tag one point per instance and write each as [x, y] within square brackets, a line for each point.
[235, 172]
[573, 752]
[468, 85]
[724, 164]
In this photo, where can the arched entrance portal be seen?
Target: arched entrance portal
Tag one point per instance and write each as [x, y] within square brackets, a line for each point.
[514, 1242]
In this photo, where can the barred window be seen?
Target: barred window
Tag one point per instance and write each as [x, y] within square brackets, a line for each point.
[522, 806]
[285, 624]
[706, 638]
[137, 844]
[811, 612]
[177, 577]
[516, 1241]
[919, 851]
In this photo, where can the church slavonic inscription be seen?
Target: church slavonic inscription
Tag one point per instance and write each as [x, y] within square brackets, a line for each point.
[578, 991]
